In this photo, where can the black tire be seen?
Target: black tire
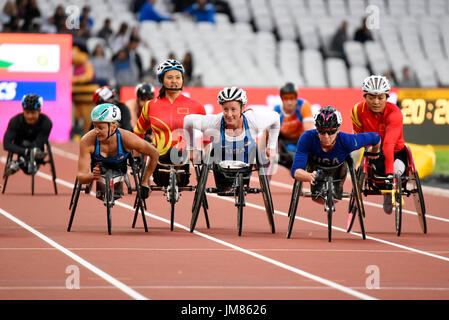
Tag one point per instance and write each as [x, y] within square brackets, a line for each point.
[32, 184]
[76, 192]
[53, 168]
[296, 192]
[240, 194]
[355, 211]
[418, 198]
[108, 198]
[267, 199]
[172, 196]
[398, 205]
[330, 205]
[200, 193]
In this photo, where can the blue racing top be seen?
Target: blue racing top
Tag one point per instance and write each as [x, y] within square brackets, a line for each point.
[309, 147]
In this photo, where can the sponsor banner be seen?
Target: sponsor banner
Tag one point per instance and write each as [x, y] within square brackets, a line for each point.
[29, 57]
[37, 63]
[15, 90]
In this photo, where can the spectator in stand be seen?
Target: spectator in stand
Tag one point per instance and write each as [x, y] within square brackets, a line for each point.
[187, 62]
[408, 80]
[363, 34]
[104, 70]
[339, 38]
[85, 14]
[81, 34]
[201, 11]
[48, 26]
[59, 16]
[125, 73]
[120, 38]
[136, 60]
[30, 11]
[149, 75]
[106, 31]
[147, 12]
[9, 11]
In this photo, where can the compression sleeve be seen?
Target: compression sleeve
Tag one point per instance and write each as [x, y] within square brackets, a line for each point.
[306, 112]
[10, 135]
[207, 124]
[43, 132]
[302, 152]
[354, 142]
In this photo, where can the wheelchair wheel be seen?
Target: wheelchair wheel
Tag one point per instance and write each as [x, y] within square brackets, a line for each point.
[200, 193]
[108, 200]
[74, 203]
[330, 209]
[172, 195]
[240, 201]
[397, 194]
[357, 205]
[356, 197]
[420, 207]
[267, 199]
[297, 186]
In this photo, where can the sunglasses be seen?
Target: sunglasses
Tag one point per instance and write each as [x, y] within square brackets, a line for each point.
[329, 132]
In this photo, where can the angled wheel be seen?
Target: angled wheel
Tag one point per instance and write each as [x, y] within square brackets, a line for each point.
[330, 209]
[267, 199]
[74, 203]
[200, 194]
[356, 197]
[108, 199]
[296, 192]
[397, 196]
[205, 204]
[240, 201]
[172, 195]
[418, 199]
[52, 166]
[32, 184]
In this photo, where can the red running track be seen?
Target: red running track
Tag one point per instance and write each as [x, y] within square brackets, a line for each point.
[41, 260]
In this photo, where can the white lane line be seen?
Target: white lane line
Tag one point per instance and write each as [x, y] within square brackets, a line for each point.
[245, 251]
[116, 283]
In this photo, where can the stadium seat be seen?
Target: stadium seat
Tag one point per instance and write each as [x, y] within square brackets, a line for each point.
[337, 74]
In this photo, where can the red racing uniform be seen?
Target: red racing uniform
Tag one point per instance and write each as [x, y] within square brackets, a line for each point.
[389, 124]
[166, 120]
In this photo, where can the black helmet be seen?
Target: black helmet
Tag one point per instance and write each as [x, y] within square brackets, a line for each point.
[32, 101]
[289, 87]
[328, 117]
[145, 91]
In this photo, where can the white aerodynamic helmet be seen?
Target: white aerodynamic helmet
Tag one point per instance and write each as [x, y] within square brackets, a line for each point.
[232, 94]
[376, 84]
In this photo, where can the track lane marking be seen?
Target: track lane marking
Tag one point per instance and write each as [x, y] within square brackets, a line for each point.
[116, 283]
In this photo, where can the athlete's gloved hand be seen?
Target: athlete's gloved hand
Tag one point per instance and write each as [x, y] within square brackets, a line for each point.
[144, 192]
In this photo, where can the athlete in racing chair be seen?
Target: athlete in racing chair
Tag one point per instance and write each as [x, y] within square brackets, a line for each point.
[376, 114]
[107, 148]
[296, 118]
[320, 159]
[26, 137]
[326, 146]
[234, 147]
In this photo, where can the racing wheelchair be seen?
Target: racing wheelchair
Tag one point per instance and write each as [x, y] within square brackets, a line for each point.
[232, 179]
[370, 183]
[328, 189]
[31, 166]
[172, 179]
[109, 189]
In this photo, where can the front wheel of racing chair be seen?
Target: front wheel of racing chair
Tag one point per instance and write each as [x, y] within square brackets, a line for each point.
[266, 191]
[329, 201]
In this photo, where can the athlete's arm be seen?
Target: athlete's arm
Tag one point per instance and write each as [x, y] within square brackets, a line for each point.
[10, 136]
[85, 176]
[300, 160]
[307, 116]
[144, 123]
[132, 142]
[393, 132]
[357, 125]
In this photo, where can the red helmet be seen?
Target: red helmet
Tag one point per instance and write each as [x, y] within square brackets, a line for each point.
[103, 94]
